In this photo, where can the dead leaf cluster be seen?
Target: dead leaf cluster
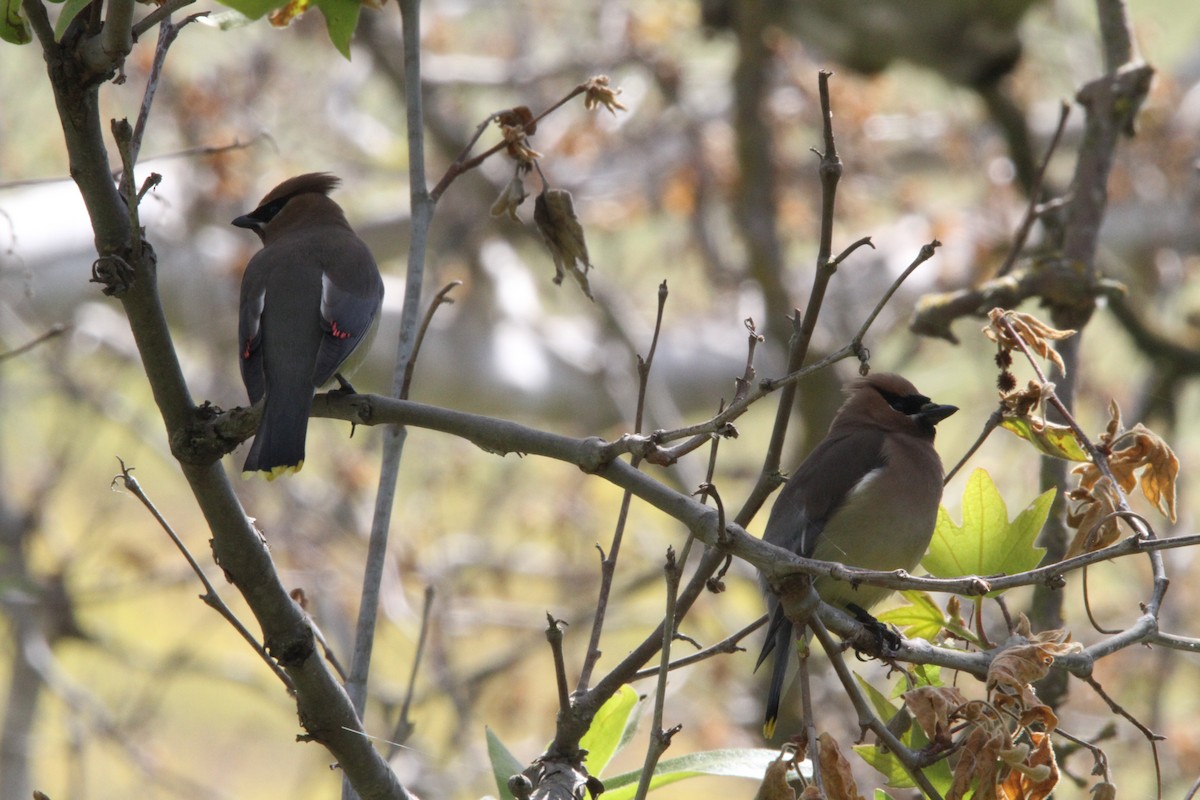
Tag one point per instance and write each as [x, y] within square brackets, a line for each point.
[1136, 457]
[517, 125]
[1016, 330]
[1002, 744]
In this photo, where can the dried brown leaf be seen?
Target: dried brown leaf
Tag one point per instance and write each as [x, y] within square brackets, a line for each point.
[1093, 515]
[600, 95]
[835, 771]
[554, 215]
[514, 195]
[1013, 668]
[1022, 328]
[977, 764]
[1035, 775]
[932, 708]
[774, 784]
[1158, 464]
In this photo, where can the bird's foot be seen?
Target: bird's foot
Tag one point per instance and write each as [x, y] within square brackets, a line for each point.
[344, 386]
[887, 641]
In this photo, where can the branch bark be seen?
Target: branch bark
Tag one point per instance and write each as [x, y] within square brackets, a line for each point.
[324, 709]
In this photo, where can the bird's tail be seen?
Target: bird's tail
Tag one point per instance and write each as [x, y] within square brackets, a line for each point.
[279, 443]
[779, 639]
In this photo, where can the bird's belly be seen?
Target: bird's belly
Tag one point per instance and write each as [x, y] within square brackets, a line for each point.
[899, 539]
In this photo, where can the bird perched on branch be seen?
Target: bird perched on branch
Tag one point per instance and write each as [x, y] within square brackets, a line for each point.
[867, 496]
[310, 300]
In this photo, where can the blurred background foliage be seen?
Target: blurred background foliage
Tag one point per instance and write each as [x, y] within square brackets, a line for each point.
[141, 690]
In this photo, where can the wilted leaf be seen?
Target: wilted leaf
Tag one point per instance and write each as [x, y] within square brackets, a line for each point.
[986, 543]
[1051, 439]
[514, 195]
[1028, 329]
[835, 771]
[1035, 777]
[1093, 516]
[1013, 668]
[518, 117]
[977, 765]
[517, 125]
[1148, 452]
[932, 708]
[1136, 457]
[600, 94]
[774, 784]
[554, 215]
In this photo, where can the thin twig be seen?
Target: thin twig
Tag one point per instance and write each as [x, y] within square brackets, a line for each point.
[404, 726]
[1151, 737]
[202, 150]
[210, 597]
[829, 169]
[993, 422]
[554, 636]
[54, 330]
[462, 164]
[167, 32]
[660, 739]
[301, 598]
[608, 564]
[1035, 207]
[727, 645]
[926, 253]
[439, 299]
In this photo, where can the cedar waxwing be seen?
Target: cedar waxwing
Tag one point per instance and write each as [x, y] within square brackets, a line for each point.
[867, 496]
[310, 298]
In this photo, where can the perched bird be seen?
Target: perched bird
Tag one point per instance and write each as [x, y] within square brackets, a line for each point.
[310, 299]
[867, 496]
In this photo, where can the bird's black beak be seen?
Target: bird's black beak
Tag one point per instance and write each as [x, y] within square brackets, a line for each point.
[247, 221]
[932, 414]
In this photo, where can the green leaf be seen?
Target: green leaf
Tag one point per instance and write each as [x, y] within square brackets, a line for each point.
[255, 9]
[341, 19]
[70, 11]
[927, 675]
[1049, 438]
[735, 763]
[886, 764]
[920, 618]
[986, 543]
[884, 761]
[504, 764]
[13, 27]
[611, 728]
[885, 709]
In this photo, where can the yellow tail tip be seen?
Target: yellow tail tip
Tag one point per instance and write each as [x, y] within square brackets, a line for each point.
[274, 472]
[769, 728]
